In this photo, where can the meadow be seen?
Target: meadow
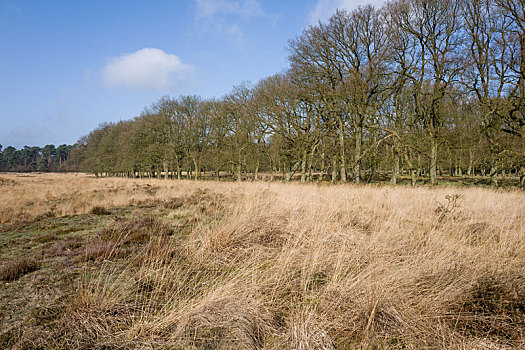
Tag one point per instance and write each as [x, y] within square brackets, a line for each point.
[89, 263]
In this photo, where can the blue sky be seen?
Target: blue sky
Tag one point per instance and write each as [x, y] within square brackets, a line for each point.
[67, 66]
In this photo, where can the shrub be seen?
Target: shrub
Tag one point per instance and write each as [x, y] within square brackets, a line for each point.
[98, 210]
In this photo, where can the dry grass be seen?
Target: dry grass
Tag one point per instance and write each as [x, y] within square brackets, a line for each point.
[267, 265]
[29, 196]
[13, 270]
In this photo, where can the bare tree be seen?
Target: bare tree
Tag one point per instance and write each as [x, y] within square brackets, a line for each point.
[431, 62]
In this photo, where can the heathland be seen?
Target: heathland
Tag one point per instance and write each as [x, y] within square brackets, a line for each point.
[147, 263]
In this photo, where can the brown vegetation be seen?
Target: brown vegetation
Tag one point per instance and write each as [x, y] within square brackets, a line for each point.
[99, 211]
[203, 265]
[16, 268]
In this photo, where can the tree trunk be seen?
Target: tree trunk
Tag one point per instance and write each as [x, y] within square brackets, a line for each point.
[239, 169]
[292, 171]
[311, 161]
[334, 169]
[493, 175]
[413, 177]
[413, 172]
[395, 170]
[197, 170]
[323, 168]
[342, 149]
[256, 174]
[358, 143]
[303, 166]
[451, 171]
[433, 159]
[470, 161]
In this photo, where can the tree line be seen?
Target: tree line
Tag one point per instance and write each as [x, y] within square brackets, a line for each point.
[34, 158]
[417, 88]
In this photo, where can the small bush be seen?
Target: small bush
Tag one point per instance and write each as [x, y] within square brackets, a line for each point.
[16, 269]
[450, 209]
[100, 211]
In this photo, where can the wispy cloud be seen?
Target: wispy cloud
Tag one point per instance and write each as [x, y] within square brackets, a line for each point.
[325, 8]
[145, 69]
[227, 18]
[243, 8]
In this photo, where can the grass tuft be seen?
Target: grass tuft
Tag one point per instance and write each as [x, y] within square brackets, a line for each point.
[98, 210]
[15, 269]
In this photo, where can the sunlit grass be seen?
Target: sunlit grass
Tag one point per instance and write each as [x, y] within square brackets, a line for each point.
[217, 265]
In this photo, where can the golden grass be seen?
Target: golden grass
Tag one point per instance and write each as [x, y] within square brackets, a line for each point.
[31, 195]
[272, 265]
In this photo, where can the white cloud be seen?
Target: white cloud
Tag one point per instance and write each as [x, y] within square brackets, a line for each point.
[325, 8]
[243, 8]
[147, 68]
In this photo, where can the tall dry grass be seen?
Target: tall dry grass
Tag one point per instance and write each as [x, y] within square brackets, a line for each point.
[270, 265]
[24, 197]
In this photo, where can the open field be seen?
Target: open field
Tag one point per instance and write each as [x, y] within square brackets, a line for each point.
[91, 263]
